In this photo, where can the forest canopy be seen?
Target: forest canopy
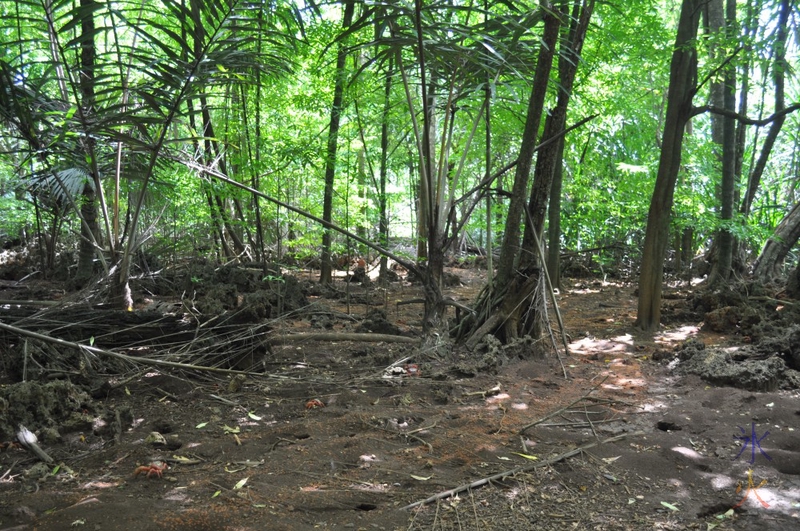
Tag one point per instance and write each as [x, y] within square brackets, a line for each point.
[305, 132]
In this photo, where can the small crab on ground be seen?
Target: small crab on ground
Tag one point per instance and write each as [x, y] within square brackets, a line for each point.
[314, 404]
[152, 469]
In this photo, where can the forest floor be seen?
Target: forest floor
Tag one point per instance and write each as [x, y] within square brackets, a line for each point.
[627, 444]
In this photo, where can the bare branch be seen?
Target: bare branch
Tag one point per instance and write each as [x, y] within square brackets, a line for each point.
[744, 119]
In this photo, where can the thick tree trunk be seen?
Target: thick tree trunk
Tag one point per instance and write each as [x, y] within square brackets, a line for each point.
[682, 86]
[786, 235]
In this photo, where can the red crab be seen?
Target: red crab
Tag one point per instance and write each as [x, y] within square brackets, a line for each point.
[151, 469]
[314, 404]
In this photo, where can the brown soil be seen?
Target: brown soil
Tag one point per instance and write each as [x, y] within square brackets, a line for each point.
[385, 439]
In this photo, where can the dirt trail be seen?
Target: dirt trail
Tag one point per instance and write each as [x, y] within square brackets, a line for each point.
[261, 454]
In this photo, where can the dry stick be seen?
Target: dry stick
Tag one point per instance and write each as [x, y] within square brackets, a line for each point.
[388, 338]
[559, 411]
[29, 303]
[552, 293]
[519, 469]
[131, 359]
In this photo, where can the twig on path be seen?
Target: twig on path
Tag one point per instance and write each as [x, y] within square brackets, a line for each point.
[517, 470]
[340, 336]
[224, 400]
[559, 411]
[3, 477]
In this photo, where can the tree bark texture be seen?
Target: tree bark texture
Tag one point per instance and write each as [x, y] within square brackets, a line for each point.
[682, 86]
[519, 311]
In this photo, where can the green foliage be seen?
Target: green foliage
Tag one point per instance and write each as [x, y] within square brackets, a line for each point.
[262, 74]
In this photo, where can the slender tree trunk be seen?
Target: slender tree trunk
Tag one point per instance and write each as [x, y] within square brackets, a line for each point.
[519, 310]
[90, 232]
[779, 69]
[487, 156]
[383, 222]
[528, 316]
[509, 249]
[326, 269]
[682, 86]
[554, 221]
[725, 236]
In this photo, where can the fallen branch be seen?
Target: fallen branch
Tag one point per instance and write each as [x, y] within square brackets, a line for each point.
[517, 470]
[12, 302]
[125, 357]
[373, 338]
[558, 411]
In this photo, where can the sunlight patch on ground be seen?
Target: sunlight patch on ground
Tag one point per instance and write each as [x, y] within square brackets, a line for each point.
[497, 398]
[687, 452]
[100, 485]
[371, 487]
[631, 382]
[592, 344]
[583, 291]
[678, 334]
[721, 481]
[787, 500]
[519, 405]
[621, 384]
[655, 405]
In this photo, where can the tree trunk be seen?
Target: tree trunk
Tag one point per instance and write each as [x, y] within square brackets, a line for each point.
[383, 222]
[528, 314]
[786, 235]
[89, 234]
[510, 247]
[554, 221]
[778, 74]
[682, 86]
[88, 199]
[725, 236]
[519, 311]
[326, 268]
